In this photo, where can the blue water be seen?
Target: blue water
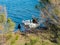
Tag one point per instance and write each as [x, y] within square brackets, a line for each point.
[19, 10]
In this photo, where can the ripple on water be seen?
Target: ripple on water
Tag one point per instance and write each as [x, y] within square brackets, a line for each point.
[20, 9]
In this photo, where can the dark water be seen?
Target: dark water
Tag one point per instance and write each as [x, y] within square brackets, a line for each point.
[19, 10]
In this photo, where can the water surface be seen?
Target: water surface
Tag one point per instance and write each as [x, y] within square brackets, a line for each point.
[19, 10]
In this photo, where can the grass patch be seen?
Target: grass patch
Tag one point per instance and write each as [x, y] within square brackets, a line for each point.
[16, 38]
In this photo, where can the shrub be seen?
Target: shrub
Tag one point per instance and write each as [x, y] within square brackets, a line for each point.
[2, 18]
[8, 36]
[11, 24]
[16, 38]
[12, 42]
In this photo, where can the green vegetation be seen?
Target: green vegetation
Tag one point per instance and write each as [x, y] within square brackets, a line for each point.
[8, 36]
[56, 11]
[51, 36]
[54, 24]
[11, 24]
[7, 22]
[33, 41]
[13, 40]
[17, 36]
[2, 18]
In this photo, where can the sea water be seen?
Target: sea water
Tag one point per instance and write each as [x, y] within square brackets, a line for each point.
[19, 10]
